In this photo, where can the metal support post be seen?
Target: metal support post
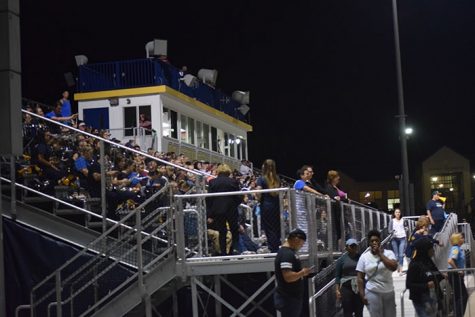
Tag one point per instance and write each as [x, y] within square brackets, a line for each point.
[281, 217]
[13, 186]
[312, 233]
[180, 236]
[402, 114]
[341, 241]
[363, 223]
[194, 297]
[58, 294]
[217, 288]
[353, 222]
[143, 290]
[102, 162]
[330, 230]
[292, 209]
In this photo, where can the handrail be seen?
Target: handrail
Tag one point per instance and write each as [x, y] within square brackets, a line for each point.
[332, 282]
[114, 144]
[110, 221]
[236, 193]
[102, 236]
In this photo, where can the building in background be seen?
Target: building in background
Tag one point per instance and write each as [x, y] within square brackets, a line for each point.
[448, 172]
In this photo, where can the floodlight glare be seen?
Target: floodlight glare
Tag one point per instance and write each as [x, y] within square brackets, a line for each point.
[243, 97]
[408, 131]
[208, 76]
[81, 60]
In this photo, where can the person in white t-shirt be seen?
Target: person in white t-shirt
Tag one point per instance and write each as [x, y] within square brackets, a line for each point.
[398, 242]
[376, 267]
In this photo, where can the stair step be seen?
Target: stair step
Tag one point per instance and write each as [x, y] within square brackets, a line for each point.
[35, 200]
[68, 212]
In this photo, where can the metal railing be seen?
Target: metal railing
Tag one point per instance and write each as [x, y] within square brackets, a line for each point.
[113, 261]
[457, 288]
[328, 290]
[441, 251]
[145, 138]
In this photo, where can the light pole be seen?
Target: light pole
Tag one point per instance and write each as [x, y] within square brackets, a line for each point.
[402, 116]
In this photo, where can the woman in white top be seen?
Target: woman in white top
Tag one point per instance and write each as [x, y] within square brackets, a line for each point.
[399, 237]
[377, 267]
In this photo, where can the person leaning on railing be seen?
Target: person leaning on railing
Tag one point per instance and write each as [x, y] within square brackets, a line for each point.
[456, 278]
[375, 280]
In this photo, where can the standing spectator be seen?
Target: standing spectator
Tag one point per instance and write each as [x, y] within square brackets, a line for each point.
[423, 279]
[398, 241]
[346, 281]
[457, 261]
[223, 209]
[289, 274]
[57, 116]
[270, 205]
[65, 105]
[421, 231]
[436, 212]
[377, 267]
[144, 122]
[331, 189]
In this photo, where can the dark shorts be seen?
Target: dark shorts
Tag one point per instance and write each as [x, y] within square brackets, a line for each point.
[287, 305]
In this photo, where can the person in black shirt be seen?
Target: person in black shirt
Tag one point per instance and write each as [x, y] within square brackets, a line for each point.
[423, 279]
[288, 297]
[223, 210]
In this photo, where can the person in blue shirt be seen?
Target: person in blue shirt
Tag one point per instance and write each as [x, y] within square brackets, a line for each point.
[436, 212]
[56, 115]
[456, 278]
[304, 183]
[65, 105]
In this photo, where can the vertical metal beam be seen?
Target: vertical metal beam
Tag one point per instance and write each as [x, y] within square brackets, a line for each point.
[3, 311]
[12, 186]
[102, 162]
[402, 114]
[194, 297]
[363, 223]
[10, 78]
[281, 217]
[217, 289]
[330, 230]
[59, 306]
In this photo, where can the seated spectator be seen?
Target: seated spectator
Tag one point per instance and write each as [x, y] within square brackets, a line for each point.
[42, 155]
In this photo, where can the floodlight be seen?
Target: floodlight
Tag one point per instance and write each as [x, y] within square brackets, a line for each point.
[156, 48]
[81, 60]
[243, 109]
[208, 76]
[190, 81]
[242, 97]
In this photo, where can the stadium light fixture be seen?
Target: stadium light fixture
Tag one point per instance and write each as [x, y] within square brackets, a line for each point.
[408, 131]
[243, 109]
[190, 81]
[243, 97]
[81, 60]
[208, 76]
[156, 47]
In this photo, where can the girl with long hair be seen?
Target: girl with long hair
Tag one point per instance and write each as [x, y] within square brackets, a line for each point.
[269, 204]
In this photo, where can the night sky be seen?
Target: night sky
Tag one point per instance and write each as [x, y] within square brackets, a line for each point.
[321, 73]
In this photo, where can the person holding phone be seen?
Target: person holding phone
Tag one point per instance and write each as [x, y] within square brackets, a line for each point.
[345, 280]
[288, 297]
[375, 268]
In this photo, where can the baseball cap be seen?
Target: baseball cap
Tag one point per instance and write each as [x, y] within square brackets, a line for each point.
[297, 233]
[436, 192]
[82, 124]
[351, 241]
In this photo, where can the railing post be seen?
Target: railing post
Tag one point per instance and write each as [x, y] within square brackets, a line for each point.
[180, 234]
[370, 213]
[102, 162]
[12, 186]
[311, 302]
[353, 222]
[281, 217]
[363, 223]
[140, 264]
[312, 233]
[58, 294]
[330, 228]
[292, 209]
[341, 241]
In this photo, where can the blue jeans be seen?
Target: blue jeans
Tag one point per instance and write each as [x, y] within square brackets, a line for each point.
[288, 306]
[399, 245]
[426, 307]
